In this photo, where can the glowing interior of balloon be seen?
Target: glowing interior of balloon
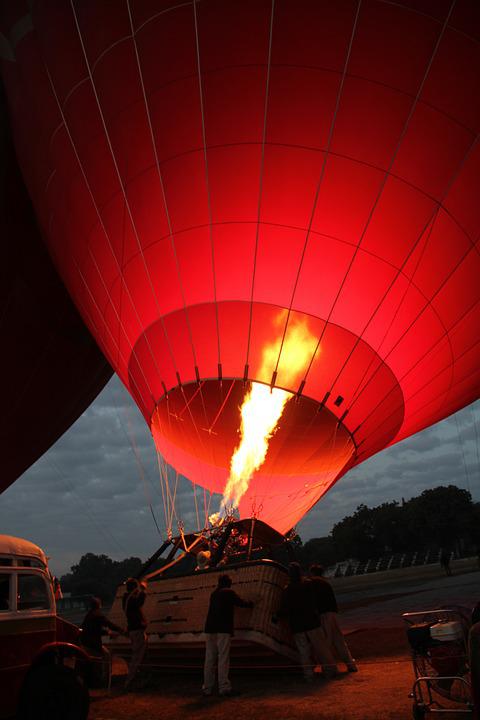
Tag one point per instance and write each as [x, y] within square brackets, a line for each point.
[272, 451]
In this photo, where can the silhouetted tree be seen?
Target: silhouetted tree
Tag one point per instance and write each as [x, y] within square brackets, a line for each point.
[440, 516]
[99, 575]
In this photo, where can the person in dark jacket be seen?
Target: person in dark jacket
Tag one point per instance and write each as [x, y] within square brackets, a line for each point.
[133, 601]
[298, 607]
[94, 625]
[218, 635]
[445, 561]
[326, 606]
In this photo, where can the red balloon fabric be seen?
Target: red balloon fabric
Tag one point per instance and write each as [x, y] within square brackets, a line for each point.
[51, 366]
[210, 176]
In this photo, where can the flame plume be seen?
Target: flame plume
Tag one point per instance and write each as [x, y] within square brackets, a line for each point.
[262, 407]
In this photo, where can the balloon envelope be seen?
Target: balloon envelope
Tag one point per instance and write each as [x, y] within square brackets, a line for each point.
[51, 367]
[210, 175]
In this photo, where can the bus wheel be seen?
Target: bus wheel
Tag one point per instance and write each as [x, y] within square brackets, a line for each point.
[54, 692]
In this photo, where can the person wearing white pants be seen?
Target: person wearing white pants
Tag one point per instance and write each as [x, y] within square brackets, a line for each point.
[217, 656]
[218, 636]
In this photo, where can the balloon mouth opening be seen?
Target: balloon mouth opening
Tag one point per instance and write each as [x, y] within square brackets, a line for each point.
[196, 428]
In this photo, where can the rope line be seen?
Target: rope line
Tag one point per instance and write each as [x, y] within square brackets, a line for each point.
[262, 170]
[141, 470]
[207, 179]
[101, 527]
[460, 442]
[164, 497]
[477, 440]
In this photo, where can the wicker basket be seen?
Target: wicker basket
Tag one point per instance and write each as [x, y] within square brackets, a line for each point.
[176, 609]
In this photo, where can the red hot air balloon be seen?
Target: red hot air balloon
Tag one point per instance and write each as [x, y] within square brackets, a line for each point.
[274, 193]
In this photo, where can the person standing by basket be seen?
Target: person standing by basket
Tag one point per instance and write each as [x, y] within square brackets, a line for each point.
[445, 561]
[132, 604]
[218, 635]
[298, 608]
[96, 624]
[326, 605]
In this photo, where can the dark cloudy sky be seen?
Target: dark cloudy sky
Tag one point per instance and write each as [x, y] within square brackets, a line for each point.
[87, 494]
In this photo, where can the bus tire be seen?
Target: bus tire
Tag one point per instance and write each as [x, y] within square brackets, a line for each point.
[54, 692]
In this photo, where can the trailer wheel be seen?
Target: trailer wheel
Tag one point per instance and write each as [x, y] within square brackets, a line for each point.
[54, 692]
[419, 712]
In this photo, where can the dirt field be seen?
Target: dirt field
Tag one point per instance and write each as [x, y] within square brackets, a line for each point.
[379, 691]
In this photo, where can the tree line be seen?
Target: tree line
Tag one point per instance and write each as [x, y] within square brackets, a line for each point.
[442, 517]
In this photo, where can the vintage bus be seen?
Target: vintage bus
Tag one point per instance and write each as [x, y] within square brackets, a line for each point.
[43, 670]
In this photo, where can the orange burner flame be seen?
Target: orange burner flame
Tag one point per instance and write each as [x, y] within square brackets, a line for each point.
[262, 407]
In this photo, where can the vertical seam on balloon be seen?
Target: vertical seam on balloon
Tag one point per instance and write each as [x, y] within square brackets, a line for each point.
[120, 181]
[425, 354]
[122, 266]
[432, 220]
[445, 392]
[164, 197]
[389, 326]
[322, 175]
[90, 319]
[162, 12]
[172, 241]
[209, 206]
[322, 172]
[67, 129]
[207, 180]
[92, 297]
[262, 170]
[102, 225]
[427, 305]
[384, 181]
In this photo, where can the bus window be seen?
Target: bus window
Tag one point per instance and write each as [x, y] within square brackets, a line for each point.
[32, 593]
[4, 593]
[30, 562]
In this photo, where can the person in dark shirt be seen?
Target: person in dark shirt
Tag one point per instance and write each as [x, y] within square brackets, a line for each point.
[445, 561]
[326, 606]
[94, 625]
[218, 635]
[133, 601]
[298, 607]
